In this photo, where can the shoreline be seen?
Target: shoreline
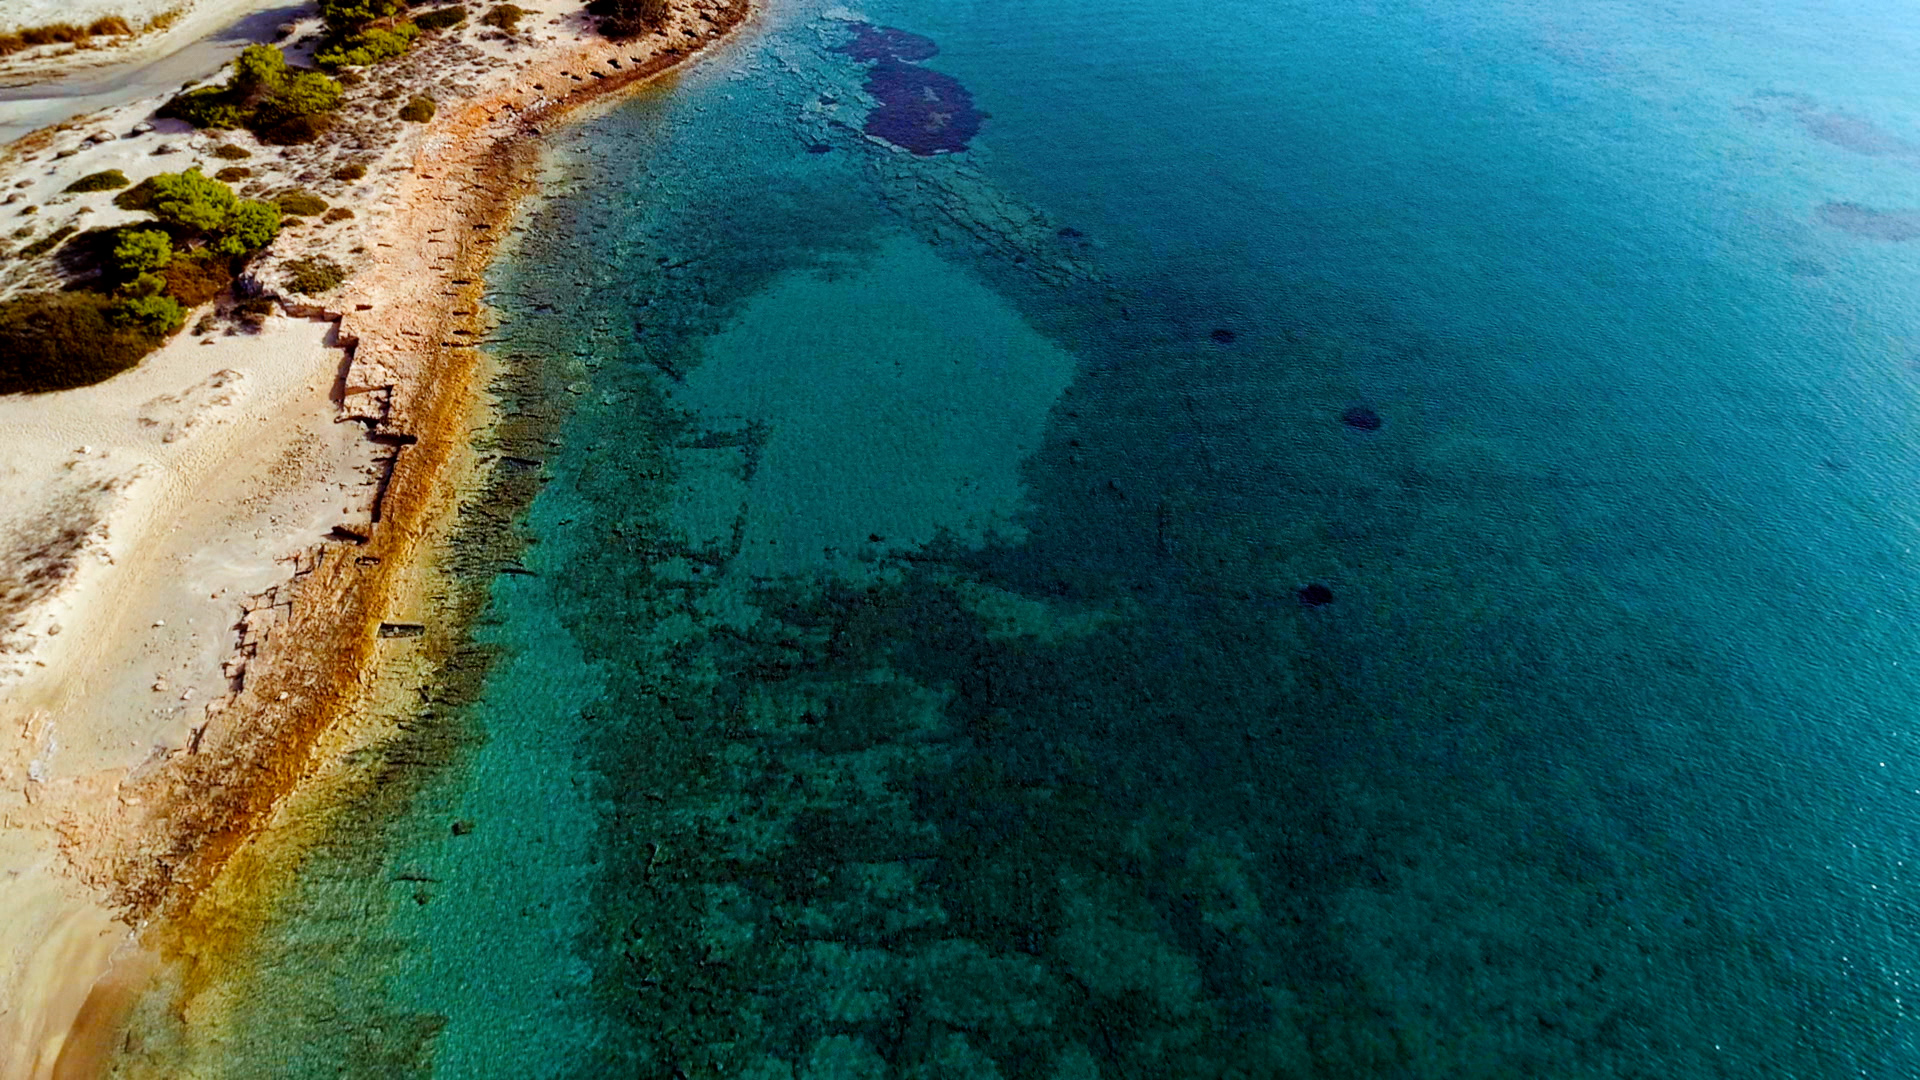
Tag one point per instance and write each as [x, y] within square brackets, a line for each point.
[411, 321]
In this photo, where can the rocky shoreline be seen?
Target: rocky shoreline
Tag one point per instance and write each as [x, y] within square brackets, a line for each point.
[412, 322]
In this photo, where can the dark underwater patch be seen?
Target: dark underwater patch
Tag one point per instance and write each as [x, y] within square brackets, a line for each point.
[871, 43]
[1894, 225]
[922, 111]
[1361, 418]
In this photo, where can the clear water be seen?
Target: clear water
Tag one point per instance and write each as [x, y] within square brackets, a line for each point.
[914, 680]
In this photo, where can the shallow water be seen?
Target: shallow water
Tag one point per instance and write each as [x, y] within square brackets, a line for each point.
[915, 677]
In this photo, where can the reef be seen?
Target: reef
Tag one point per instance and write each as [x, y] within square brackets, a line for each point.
[925, 112]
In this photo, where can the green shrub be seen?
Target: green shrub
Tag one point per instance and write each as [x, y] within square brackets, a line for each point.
[230, 152]
[346, 16]
[207, 107]
[144, 285]
[278, 103]
[154, 317]
[54, 341]
[141, 251]
[259, 69]
[195, 279]
[419, 110]
[295, 131]
[251, 226]
[504, 16]
[252, 314]
[314, 275]
[189, 201]
[441, 18]
[137, 197]
[105, 180]
[629, 18]
[368, 47]
[301, 204]
[47, 243]
[350, 173]
[338, 213]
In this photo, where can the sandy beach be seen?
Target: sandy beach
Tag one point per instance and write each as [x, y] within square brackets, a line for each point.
[200, 551]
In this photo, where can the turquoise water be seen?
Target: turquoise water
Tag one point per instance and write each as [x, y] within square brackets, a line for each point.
[914, 678]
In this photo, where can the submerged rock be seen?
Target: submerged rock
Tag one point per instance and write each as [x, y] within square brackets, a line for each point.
[1223, 337]
[1361, 418]
[1315, 595]
[925, 112]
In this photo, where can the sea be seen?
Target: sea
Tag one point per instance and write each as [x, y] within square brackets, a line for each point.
[1203, 539]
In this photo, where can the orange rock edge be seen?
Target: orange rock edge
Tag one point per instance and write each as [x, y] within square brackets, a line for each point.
[181, 871]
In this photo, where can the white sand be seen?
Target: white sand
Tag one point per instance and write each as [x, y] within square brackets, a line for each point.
[202, 467]
[203, 470]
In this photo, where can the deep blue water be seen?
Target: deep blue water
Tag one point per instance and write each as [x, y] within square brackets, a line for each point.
[914, 678]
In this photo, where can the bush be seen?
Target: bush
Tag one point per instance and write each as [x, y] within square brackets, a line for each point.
[233, 174]
[441, 19]
[230, 152]
[419, 110]
[54, 34]
[55, 341]
[338, 213]
[278, 103]
[195, 279]
[141, 251]
[252, 314]
[251, 226]
[190, 201]
[296, 131]
[301, 204]
[350, 173]
[346, 16]
[629, 18]
[105, 180]
[207, 107]
[154, 317]
[368, 46]
[47, 243]
[314, 275]
[504, 17]
[137, 197]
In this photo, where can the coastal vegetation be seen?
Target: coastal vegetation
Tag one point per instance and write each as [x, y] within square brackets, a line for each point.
[363, 32]
[313, 275]
[418, 110]
[63, 34]
[441, 18]
[620, 19]
[301, 204]
[105, 180]
[504, 17]
[279, 103]
[141, 280]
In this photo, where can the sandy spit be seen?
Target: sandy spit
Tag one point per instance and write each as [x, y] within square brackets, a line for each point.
[106, 847]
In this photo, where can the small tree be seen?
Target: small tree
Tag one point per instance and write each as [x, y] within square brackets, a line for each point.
[142, 251]
[259, 69]
[191, 201]
[154, 316]
[251, 225]
[346, 16]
